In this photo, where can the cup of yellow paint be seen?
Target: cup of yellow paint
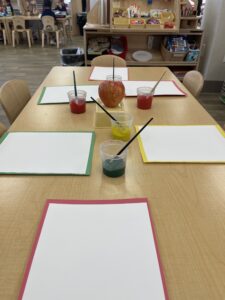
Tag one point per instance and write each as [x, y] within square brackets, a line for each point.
[121, 128]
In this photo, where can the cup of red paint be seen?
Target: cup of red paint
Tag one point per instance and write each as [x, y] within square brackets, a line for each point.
[144, 97]
[77, 103]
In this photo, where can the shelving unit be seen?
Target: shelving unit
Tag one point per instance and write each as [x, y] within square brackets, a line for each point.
[137, 39]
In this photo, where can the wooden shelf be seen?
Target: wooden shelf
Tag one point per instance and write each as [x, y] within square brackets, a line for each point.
[191, 18]
[157, 60]
[139, 37]
[161, 30]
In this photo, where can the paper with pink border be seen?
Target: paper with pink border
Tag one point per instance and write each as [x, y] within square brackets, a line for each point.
[87, 202]
[165, 88]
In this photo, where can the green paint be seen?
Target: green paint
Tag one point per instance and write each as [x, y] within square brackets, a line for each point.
[114, 167]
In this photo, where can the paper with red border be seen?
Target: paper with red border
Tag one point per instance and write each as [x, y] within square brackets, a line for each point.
[164, 88]
[104, 249]
[100, 73]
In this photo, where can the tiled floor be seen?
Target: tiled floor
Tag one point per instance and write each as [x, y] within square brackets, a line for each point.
[34, 64]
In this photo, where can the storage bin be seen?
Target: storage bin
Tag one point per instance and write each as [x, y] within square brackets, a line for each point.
[72, 56]
[193, 55]
[121, 22]
[153, 26]
[174, 56]
[137, 23]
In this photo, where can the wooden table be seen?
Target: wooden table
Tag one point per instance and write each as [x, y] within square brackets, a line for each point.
[187, 200]
[7, 20]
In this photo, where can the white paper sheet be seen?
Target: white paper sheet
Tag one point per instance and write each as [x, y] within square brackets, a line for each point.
[182, 144]
[164, 88]
[45, 152]
[100, 73]
[58, 94]
[95, 252]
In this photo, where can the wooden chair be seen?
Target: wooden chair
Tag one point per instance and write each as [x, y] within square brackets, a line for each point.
[49, 27]
[4, 35]
[107, 61]
[19, 26]
[2, 129]
[193, 81]
[14, 95]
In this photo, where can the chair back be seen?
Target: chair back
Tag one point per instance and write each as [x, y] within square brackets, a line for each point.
[193, 81]
[14, 95]
[2, 129]
[18, 23]
[48, 23]
[107, 61]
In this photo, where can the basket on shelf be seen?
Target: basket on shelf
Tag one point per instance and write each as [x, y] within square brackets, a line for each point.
[137, 23]
[174, 56]
[121, 22]
[153, 23]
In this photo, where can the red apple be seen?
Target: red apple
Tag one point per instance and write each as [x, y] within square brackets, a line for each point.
[111, 92]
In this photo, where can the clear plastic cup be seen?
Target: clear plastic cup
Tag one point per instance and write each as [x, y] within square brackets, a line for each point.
[144, 97]
[113, 165]
[116, 77]
[77, 104]
[122, 127]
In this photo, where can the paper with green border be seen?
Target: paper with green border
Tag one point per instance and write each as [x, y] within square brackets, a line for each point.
[87, 86]
[145, 157]
[89, 161]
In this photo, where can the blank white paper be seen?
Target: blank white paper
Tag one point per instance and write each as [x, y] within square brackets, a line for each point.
[46, 152]
[164, 88]
[100, 73]
[58, 94]
[182, 144]
[98, 252]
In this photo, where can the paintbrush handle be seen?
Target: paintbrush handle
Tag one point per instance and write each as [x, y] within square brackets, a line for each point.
[154, 88]
[104, 109]
[131, 140]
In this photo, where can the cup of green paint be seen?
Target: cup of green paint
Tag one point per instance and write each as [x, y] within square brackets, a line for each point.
[113, 165]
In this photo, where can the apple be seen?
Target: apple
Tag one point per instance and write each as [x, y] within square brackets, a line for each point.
[111, 92]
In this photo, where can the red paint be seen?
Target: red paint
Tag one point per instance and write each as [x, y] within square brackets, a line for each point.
[144, 101]
[78, 106]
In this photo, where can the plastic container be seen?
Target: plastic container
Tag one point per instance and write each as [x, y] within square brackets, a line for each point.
[72, 56]
[113, 165]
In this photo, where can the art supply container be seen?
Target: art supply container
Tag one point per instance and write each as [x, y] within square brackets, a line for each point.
[144, 97]
[77, 103]
[121, 128]
[113, 165]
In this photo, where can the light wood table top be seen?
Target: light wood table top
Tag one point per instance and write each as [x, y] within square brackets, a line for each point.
[187, 200]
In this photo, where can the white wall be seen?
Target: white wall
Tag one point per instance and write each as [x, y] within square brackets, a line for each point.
[213, 67]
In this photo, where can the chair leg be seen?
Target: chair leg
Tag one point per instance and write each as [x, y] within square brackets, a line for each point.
[57, 38]
[17, 37]
[31, 37]
[28, 38]
[4, 37]
[48, 37]
[13, 38]
[43, 39]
